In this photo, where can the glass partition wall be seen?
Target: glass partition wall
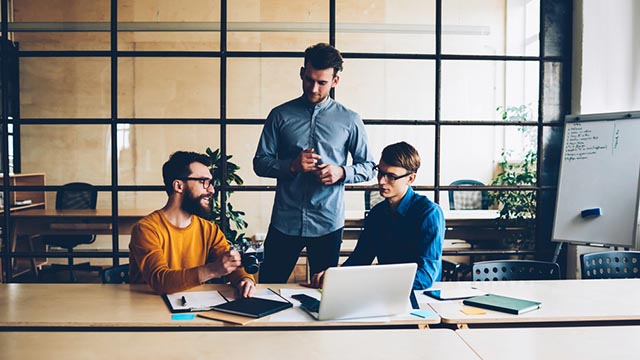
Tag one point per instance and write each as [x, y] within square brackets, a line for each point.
[108, 89]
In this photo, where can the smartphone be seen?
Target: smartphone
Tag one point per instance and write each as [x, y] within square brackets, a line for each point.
[454, 294]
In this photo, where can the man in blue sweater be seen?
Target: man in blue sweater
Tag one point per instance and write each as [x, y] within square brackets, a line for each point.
[404, 228]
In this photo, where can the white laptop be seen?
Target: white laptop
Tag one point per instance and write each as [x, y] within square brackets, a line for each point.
[365, 291]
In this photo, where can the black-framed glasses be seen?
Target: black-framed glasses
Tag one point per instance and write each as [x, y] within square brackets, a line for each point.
[389, 176]
[206, 182]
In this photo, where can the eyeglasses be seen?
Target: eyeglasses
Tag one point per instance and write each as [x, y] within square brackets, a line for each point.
[389, 176]
[206, 182]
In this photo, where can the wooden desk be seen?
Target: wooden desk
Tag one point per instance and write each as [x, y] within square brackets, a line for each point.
[564, 302]
[347, 344]
[74, 221]
[108, 306]
[71, 221]
[598, 342]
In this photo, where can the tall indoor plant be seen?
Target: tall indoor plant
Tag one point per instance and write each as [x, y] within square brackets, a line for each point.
[233, 221]
[517, 208]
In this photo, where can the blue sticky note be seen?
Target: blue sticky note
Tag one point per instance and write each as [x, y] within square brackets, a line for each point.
[423, 313]
[183, 316]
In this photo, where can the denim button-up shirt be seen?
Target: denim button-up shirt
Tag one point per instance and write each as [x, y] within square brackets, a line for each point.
[303, 206]
[414, 233]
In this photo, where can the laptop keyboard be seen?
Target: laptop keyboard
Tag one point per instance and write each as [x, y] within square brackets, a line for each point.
[310, 303]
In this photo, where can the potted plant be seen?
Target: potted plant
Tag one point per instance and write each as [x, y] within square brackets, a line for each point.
[233, 221]
[517, 208]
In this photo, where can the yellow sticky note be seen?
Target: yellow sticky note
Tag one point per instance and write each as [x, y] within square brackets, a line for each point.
[472, 311]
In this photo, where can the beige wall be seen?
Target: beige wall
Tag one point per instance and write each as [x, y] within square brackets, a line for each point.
[190, 88]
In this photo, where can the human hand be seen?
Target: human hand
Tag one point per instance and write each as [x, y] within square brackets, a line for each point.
[225, 264]
[329, 174]
[246, 287]
[316, 281]
[305, 161]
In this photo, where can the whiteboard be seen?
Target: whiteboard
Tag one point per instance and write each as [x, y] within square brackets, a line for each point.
[600, 168]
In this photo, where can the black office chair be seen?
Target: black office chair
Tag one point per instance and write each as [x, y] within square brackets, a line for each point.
[116, 275]
[371, 199]
[73, 196]
[611, 265]
[449, 270]
[515, 270]
[468, 200]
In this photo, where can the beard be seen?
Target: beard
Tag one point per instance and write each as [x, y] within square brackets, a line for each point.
[193, 206]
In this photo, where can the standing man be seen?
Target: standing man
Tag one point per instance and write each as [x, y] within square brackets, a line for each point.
[173, 249]
[304, 145]
[404, 228]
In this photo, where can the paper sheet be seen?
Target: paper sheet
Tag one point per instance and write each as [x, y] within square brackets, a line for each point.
[195, 299]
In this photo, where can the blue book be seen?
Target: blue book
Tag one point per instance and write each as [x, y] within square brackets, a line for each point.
[503, 303]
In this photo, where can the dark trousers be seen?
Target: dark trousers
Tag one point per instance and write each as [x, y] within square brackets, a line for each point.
[281, 253]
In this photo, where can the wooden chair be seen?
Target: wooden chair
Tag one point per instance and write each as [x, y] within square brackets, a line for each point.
[515, 270]
[116, 275]
[611, 265]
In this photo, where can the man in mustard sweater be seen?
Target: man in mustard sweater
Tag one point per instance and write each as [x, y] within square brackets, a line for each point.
[174, 249]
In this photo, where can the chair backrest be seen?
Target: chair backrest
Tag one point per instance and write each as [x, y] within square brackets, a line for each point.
[468, 200]
[515, 270]
[76, 195]
[116, 275]
[371, 199]
[449, 270]
[611, 265]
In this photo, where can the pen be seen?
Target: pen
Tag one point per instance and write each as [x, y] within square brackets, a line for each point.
[184, 301]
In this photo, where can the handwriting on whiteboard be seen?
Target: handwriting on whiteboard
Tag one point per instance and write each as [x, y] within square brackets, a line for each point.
[582, 143]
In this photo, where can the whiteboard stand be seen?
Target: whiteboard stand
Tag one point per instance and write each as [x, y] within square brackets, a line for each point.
[599, 183]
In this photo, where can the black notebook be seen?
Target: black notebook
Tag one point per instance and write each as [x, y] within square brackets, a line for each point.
[502, 303]
[252, 307]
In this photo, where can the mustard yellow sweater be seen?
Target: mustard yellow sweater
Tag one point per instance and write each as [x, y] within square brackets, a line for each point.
[166, 257]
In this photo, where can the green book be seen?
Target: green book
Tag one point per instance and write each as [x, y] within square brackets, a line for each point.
[502, 303]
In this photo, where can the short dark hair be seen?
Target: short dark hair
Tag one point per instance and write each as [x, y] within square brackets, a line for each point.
[403, 155]
[177, 167]
[323, 56]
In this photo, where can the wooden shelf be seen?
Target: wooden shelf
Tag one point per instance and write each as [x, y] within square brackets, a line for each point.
[23, 265]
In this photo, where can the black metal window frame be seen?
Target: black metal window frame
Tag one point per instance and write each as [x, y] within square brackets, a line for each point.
[554, 72]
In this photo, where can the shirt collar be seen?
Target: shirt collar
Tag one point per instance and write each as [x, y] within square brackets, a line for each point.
[403, 206]
[323, 105]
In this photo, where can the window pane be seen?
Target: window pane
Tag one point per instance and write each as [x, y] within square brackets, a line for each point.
[144, 201]
[76, 14]
[78, 153]
[473, 90]
[277, 25]
[169, 25]
[493, 27]
[45, 41]
[420, 137]
[398, 26]
[142, 149]
[388, 89]
[61, 10]
[65, 87]
[168, 88]
[477, 152]
[242, 141]
[255, 86]
[257, 207]
[170, 40]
